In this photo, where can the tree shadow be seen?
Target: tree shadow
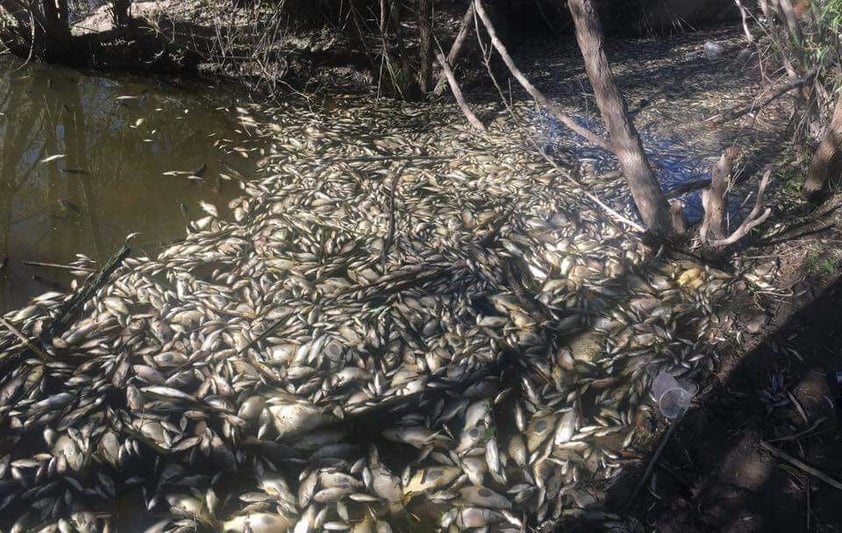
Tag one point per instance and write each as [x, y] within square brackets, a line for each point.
[713, 475]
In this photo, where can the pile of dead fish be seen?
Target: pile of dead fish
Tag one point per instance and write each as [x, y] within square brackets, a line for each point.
[400, 326]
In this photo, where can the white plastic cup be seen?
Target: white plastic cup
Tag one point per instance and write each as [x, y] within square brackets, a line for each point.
[673, 399]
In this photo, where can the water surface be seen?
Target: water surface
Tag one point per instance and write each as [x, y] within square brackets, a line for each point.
[108, 143]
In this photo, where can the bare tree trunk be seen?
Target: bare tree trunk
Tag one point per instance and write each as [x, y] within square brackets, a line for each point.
[425, 50]
[58, 28]
[790, 18]
[714, 198]
[625, 142]
[121, 12]
[826, 155]
[464, 28]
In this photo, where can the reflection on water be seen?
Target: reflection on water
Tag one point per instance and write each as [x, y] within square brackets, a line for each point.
[83, 162]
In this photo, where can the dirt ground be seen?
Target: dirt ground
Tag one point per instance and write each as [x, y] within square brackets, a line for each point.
[713, 473]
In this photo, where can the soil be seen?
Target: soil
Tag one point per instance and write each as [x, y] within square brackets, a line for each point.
[713, 474]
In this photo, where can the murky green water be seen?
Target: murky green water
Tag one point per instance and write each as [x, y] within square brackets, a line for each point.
[116, 139]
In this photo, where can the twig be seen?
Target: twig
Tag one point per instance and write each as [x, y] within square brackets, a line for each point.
[652, 462]
[592, 197]
[396, 157]
[789, 86]
[19, 334]
[66, 314]
[818, 474]
[753, 219]
[391, 236]
[457, 92]
[527, 85]
[54, 265]
[800, 434]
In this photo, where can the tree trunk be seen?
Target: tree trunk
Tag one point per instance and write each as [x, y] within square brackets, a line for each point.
[121, 12]
[625, 142]
[826, 158]
[425, 50]
[715, 197]
[57, 29]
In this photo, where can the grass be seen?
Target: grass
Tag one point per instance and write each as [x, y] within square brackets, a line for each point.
[823, 263]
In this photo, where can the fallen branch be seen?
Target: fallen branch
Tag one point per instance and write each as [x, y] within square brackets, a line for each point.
[68, 311]
[818, 474]
[387, 244]
[754, 219]
[457, 92]
[542, 100]
[464, 28]
[800, 434]
[24, 339]
[787, 87]
[652, 462]
[686, 187]
[54, 265]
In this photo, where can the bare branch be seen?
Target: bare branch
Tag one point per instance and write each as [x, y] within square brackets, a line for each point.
[554, 110]
[754, 106]
[754, 219]
[457, 92]
[464, 28]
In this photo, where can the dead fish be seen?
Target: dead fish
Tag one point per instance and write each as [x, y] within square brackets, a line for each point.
[67, 205]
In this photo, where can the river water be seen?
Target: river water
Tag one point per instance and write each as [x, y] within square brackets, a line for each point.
[86, 160]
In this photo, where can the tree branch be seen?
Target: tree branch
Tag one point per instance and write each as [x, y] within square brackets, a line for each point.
[457, 92]
[542, 100]
[754, 219]
[789, 86]
[464, 28]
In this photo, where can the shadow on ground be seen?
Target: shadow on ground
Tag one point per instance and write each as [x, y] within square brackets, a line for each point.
[713, 474]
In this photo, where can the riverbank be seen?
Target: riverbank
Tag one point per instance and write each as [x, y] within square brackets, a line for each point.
[405, 322]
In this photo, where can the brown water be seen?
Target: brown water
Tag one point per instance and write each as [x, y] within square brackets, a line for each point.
[118, 137]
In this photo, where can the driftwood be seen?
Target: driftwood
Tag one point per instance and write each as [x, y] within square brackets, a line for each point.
[457, 92]
[456, 47]
[542, 100]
